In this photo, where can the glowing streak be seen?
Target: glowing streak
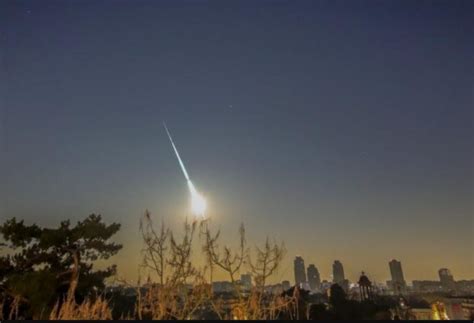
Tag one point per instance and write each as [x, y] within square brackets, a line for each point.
[177, 154]
[198, 203]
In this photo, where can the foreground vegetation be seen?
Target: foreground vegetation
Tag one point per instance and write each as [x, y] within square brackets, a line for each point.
[49, 274]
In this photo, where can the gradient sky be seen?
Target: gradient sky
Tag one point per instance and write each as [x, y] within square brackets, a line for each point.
[344, 128]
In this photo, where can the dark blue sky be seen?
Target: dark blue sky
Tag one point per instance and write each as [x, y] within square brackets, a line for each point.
[334, 125]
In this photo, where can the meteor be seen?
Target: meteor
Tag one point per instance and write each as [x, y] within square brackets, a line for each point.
[198, 203]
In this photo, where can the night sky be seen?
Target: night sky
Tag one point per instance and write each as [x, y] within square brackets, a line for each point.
[344, 128]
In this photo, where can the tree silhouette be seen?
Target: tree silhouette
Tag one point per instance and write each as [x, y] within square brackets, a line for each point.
[45, 264]
[337, 296]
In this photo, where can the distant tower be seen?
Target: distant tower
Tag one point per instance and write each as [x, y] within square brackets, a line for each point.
[365, 288]
[398, 283]
[338, 272]
[338, 275]
[447, 279]
[314, 279]
[300, 274]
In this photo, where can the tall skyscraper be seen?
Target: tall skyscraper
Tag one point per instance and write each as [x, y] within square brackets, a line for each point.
[397, 283]
[300, 273]
[314, 279]
[338, 275]
[338, 272]
[446, 279]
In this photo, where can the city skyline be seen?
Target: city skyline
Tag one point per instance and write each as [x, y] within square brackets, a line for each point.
[397, 284]
[343, 129]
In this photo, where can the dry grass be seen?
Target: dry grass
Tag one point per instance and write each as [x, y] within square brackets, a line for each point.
[97, 309]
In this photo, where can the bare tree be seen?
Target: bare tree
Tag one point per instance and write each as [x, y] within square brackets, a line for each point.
[182, 288]
[230, 262]
[253, 304]
[155, 246]
[267, 261]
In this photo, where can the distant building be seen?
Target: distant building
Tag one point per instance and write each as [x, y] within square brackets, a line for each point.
[222, 287]
[305, 286]
[246, 281]
[397, 284]
[273, 289]
[338, 275]
[300, 273]
[465, 287]
[446, 279]
[314, 279]
[365, 288]
[285, 285]
[338, 272]
[325, 285]
[459, 308]
[426, 286]
[468, 308]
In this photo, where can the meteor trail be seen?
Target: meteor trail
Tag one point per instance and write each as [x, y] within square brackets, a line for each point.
[177, 154]
[198, 203]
